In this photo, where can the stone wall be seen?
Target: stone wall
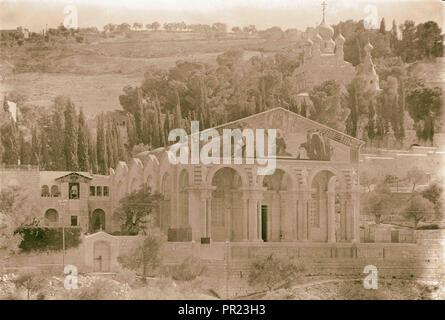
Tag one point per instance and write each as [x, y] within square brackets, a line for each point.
[228, 263]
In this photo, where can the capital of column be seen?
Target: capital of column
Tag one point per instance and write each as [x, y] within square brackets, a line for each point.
[306, 194]
[255, 193]
[288, 193]
[205, 192]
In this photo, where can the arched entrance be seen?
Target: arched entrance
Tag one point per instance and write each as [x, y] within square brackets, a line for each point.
[98, 220]
[227, 209]
[51, 217]
[275, 206]
[101, 256]
[322, 215]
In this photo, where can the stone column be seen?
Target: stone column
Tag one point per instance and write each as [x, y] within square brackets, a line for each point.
[288, 214]
[255, 215]
[331, 216]
[305, 215]
[343, 216]
[245, 199]
[355, 214]
[204, 208]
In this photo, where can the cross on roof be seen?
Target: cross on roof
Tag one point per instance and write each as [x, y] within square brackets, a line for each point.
[324, 4]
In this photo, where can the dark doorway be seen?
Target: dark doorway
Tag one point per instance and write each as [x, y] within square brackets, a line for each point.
[98, 220]
[395, 236]
[264, 223]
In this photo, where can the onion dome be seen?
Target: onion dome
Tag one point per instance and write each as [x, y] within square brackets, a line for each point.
[317, 38]
[368, 47]
[325, 30]
[340, 38]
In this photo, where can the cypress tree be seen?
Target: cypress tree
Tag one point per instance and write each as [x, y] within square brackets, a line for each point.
[120, 149]
[55, 140]
[10, 141]
[382, 26]
[109, 143]
[92, 154]
[131, 131]
[45, 157]
[25, 150]
[82, 144]
[71, 133]
[35, 150]
[101, 145]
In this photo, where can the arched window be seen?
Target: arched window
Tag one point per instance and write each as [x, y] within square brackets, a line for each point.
[98, 220]
[45, 191]
[55, 191]
[51, 217]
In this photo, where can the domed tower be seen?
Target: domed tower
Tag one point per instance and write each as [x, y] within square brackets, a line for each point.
[307, 47]
[366, 70]
[326, 32]
[316, 48]
[339, 43]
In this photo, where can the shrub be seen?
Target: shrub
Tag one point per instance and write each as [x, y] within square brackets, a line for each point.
[188, 270]
[272, 271]
[42, 239]
[147, 256]
[30, 282]
[428, 227]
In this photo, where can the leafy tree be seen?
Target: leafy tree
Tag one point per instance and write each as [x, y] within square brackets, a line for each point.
[418, 209]
[137, 26]
[328, 108]
[31, 282]
[377, 202]
[272, 271]
[109, 27]
[435, 194]
[429, 39]
[415, 176]
[136, 209]
[407, 48]
[367, 178]
[424, 106]
[15, 212]
[187, 270]
[155, 26]
[146, 256]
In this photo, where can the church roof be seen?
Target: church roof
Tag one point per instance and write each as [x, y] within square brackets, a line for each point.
[332, 133]
[75, 175]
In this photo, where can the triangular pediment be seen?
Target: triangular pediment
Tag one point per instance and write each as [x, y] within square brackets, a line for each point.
[297, 137]
[289, 122]
[74, 177]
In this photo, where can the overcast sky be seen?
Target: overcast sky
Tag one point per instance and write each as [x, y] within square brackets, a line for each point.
[262, 13]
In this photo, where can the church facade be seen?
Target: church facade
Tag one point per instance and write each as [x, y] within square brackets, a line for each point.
[313, 194]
